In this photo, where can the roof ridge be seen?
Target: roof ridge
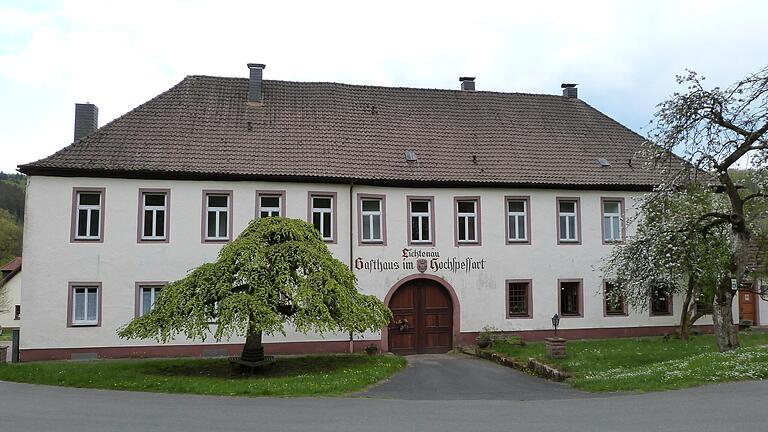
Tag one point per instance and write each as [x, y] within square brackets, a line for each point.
[382, 87]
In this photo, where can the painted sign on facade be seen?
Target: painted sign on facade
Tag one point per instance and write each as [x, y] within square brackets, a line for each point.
[421, 260]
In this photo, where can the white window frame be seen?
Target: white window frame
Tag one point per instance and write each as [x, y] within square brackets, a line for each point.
[324, 213]
[154, 290]
[154, 209]
[421, 217]
[89, 208]
[513, 219]
[465, 222]
[611, 219]
[574, 215]
[85, 321]
[218, 211]
[371, 214]
[272, 211]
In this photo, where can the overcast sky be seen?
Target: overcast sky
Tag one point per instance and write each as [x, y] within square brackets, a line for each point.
[624, 55]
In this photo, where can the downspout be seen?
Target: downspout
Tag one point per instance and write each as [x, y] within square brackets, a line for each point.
[351, 265]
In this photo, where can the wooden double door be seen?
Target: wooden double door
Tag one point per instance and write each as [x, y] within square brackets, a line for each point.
[422, 318]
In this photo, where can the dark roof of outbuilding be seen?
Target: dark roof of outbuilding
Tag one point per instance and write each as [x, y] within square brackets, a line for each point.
[10, 269]
[204, 128]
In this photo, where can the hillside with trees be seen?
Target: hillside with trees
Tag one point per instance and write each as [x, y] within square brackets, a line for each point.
[12, 191]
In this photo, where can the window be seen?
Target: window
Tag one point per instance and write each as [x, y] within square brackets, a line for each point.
[153, 216]
[704, 306]
[372, 229]
[519, 299]
[217, 214]
[88, 215]
[147, 296]
[570, 298]
[614, 306]
[270, 203]
[420, 215]
[85, 305]
[568, 220]
[661, 302]
[17, 312]
[613, 215]
[517, 220]
[467, 220]
[323, 214]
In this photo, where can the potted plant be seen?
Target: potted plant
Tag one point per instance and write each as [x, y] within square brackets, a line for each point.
[371, 349]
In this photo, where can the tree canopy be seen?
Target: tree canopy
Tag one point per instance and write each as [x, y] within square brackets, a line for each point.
[718, 130]
[277, 272]
[672, 252]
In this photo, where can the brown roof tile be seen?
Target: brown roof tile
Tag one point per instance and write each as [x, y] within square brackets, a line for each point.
[203, 127]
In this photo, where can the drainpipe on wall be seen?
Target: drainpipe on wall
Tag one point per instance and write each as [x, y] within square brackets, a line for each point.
[351, 252]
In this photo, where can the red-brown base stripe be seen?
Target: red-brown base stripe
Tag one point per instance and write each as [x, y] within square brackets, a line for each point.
[318, 347]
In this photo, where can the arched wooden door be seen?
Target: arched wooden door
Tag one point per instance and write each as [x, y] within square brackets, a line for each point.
[422, 318]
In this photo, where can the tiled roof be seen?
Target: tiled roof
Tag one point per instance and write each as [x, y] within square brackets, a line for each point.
[10, 269]
[204, 128]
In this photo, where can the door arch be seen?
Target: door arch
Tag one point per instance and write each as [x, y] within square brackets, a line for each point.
[425, 316]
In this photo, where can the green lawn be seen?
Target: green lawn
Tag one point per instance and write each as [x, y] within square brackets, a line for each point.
[328, 375]
[653, 363]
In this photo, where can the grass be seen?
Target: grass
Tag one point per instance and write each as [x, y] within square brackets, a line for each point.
[328, 375]
[652, 363]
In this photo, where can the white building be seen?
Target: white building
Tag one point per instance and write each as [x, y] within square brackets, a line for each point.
[10, 295]
[459, 208]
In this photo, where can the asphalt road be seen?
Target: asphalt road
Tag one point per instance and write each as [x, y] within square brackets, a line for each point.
[728, 407]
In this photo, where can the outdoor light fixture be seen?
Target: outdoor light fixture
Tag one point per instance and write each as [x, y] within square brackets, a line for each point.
[555, 322]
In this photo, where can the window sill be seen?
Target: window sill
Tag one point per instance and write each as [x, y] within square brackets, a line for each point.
[84, 325]
[571, 316]
[372, 243]
[520, 317]
[86, 240]
[616, 315]
[213, 240]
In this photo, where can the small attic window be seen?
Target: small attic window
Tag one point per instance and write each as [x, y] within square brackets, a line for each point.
[410, 156]
[603, 162]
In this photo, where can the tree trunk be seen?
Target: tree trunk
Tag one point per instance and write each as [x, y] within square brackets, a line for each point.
[253, 350]
[726, 333]
[685, 316]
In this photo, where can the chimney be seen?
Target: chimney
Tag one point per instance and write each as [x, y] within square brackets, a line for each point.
[86, 119]
[570, 90]
[467, 83]
[254, 84]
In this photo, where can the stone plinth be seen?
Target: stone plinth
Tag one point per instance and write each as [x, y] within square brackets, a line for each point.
[555, 347]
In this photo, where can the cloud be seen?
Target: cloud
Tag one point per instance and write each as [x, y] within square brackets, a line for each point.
[119, 54]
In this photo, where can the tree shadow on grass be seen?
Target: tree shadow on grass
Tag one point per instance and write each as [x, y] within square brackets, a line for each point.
[283, 367]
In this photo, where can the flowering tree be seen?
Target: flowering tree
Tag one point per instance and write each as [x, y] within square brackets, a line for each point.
[277, 272]
[715, 129]
[671, 252]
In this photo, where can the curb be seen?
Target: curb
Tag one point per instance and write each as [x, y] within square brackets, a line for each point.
[532, 365]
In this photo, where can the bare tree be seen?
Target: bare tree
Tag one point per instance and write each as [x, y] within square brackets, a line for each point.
[718, 130]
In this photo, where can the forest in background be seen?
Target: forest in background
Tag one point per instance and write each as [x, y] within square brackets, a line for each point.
[12, 191]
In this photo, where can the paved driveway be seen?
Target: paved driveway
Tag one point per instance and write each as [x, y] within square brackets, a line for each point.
[461, 377]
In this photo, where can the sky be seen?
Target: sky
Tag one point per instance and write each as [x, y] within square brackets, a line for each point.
[118, 54]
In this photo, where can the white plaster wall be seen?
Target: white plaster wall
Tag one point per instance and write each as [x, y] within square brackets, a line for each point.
[482, 293]
[51, 261]
[12, 297]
